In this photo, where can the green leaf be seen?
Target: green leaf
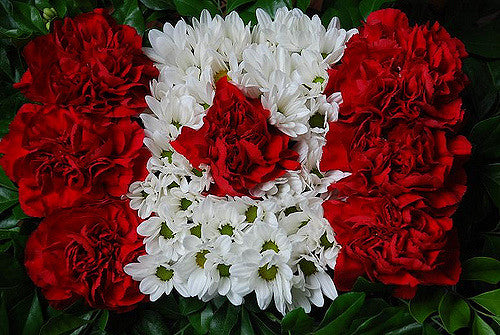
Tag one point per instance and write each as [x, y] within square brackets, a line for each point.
[5, 181]
[194, 7]
[494, 68]
[151, 323]
[158, 4]
[233, 4]
[303, 4]
[491, 180]
[168, 307]
[270, 6]
[297, 322]
[62, 324]
[427, 329]
[246, 324]
[201, 320]
[454, 312]
[492, 245]
[27, 316]
[485, 40]
[28, 17]
[4, 319]
[224, 320]
[341, 313]
[406, 329]
[482, 268]
[425, 302]
[190, 305]
[102, 320]
[486, 137]
[346, 10]
[18, 213]
[5, 64]
[391, 319]
[364, 285]
[130, 14]
[480, 327]
[8, 222]
[263, 327]
[8, 198]
[61, 7]
[341, 304]
[489, 300]
[368, 6]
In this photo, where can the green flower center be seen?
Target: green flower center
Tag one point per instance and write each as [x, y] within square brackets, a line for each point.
[291, 210]
[251, 214]
[196, 231]
[166, 232]
[163, 273]
[270, 245]
[223, 270]
[185, 203]
[319, 79]
[307, 267]
[172, 185]
[176, 124]
[226, 229]
[323, 241]
[267, 272]
[201, 258]
[317, 172]
[317, 121]
[197, 172]
[167, 154]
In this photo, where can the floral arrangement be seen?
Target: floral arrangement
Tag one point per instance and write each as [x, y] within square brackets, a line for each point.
[272, 162]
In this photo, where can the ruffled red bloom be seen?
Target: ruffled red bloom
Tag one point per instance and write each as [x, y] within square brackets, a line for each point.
[407, 158]
[400, 87]
[80, 253]
[392, 73]
[238, 144]
[91, 63]
[58, 162]
[396, 242]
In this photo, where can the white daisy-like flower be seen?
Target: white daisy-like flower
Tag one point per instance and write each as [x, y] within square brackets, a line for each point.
[265, 273]
[163, 236]
[144, 195]
[273, 240]
[156, 276]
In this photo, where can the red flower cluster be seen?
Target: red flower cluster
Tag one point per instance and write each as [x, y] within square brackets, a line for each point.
[74, 155]
[59, 162]
[238, 144]
[80, 252]
[400, 87]
[90, 63]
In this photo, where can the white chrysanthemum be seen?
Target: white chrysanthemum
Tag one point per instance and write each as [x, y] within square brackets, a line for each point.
[156, 275]
[265, 273]
[218, 263]
[144, 195]
[163, 236]
[275, 241]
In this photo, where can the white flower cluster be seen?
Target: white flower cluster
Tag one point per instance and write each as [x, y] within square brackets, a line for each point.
[275, 243]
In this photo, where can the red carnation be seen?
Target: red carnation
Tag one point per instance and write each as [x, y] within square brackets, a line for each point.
[398, 160]
[400, 87]
[58, 162]
[91, 63]
[396, 242]
[238, 144]
[80, 253]
[392, 73]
